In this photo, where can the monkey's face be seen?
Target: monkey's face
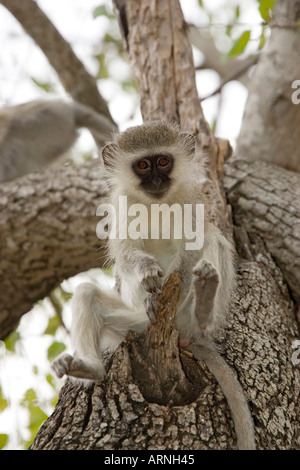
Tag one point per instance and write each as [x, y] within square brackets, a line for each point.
[153, 161]
[154, 172]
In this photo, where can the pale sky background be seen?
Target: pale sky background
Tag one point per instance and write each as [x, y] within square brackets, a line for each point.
[20, 59]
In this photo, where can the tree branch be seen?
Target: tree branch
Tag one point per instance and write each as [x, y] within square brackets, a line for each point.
[265, 201]
[271, 120]
[72, 73]
[155, 359]
[48, 233]
[229, 69]
[234, 76]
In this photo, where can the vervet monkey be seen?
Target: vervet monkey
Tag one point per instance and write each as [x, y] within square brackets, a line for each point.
[150, 164]
[34, 134]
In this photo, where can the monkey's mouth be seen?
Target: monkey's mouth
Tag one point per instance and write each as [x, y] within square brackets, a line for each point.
[157, 193]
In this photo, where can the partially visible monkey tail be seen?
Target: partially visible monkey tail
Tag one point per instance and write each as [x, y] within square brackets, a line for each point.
[99, 125]
[232, 390]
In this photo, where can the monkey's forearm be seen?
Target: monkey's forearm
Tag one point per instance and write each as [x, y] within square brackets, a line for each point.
[144, 267]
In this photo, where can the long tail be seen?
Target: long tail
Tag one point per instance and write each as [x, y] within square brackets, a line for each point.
[232, 390]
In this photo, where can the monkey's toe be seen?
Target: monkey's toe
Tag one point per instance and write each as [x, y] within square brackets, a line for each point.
[61, 365]
[204, 271]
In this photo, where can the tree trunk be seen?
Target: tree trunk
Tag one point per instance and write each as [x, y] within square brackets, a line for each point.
[118, 413]
[270, 127]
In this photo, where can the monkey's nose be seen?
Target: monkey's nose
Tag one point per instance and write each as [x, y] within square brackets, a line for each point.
[156, 181]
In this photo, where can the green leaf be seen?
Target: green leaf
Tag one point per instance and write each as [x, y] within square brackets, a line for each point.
[3, 440]
[65, 296]
[102, 11]
[29, 398]
[53, 324]
[3, 403]
[103, 67]
[265, 7]
[36, 414]
[130, 85]
[51, 381]
[200, 3]
[240, 44]
[228, 30]
[10, 342]
[55, 349]
[45, 86]
[262, 40]
[116, 41]
[37, 417]
[237, 12]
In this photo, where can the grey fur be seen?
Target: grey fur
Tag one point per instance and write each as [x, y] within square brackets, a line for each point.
[101, 319]
[35, 134]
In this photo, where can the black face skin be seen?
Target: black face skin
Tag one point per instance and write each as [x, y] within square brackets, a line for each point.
[153, 172]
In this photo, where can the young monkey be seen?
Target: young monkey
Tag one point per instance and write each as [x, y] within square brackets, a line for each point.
[151, 164]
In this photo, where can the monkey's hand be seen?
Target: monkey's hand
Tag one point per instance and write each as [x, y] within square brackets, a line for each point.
[76, 367]
[150, 275]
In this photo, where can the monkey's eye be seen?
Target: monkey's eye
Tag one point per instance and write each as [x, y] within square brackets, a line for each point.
[143, 164]
[163, 161]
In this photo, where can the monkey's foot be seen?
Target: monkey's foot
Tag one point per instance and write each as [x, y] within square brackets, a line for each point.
[206, 281]
[75, 367]
[62, 365]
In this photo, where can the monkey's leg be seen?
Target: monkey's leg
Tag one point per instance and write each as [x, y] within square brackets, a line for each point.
[232, 390]
[206, 282]
[100, 321]
[73, 366]
[90, 307]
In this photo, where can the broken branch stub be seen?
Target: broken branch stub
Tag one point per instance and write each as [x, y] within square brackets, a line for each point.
[163, 375]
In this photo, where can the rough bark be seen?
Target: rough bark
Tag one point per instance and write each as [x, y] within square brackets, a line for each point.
[115, 415]
[271, 121]
[48, 233]
[266, 201]
[72, 73]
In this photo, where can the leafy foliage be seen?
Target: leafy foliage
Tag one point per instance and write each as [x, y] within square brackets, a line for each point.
[265, 8]
[3, 440]
[36, 414]
[55, 349]
[239, 44]
[47, 87]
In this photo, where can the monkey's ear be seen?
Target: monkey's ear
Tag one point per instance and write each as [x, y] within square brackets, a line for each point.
[108, 154]
[189, 142]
